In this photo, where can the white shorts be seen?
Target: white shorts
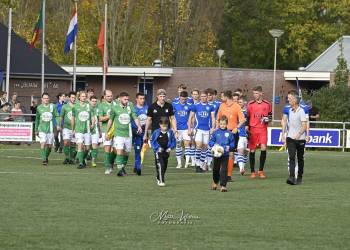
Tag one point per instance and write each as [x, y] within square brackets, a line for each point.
[95, 138]
[242, 143]
[122, 143]
[46, 138]
[83, 138]
[105, 142]
[183, 135]
[202, 136]
[67, 134]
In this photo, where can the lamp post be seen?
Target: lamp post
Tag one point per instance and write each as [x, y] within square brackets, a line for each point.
[220, 53]
[275, 33]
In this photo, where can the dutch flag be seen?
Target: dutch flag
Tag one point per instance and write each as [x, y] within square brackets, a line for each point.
[72, 32]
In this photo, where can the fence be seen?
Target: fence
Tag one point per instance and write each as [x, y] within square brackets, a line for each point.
[326, 135]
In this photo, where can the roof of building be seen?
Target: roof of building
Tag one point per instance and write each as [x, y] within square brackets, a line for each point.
[327, 61]
[121, 71]
[26, 61]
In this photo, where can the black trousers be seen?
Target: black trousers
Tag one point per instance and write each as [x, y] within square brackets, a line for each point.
[296, 148]
[161, 165]
[220, 170]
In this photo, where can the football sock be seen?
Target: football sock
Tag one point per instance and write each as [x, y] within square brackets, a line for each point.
[178, 154]
[107, 162]
[94, 153]
[252, 161]
[187, 154]
[262, 160]
[66, 152]
[80, 156]
[230, 166]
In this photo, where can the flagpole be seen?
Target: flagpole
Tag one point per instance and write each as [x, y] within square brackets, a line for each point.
[8, 61]
[105, 51]
[75, 54]
[43, 52]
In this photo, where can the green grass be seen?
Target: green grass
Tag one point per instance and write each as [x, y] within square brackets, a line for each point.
[61, 207]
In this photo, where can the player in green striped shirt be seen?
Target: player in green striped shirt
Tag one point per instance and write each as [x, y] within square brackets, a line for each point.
[95, 130]
[81, 125]
[66, 115]
[121, 115]
[45, 114]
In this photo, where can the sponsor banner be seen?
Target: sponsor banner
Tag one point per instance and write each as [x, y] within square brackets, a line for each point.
[347, 138]
[321, 138]
[16, 131]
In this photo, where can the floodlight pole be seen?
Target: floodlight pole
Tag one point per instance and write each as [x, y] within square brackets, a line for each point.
[275, 33]
[220, 53]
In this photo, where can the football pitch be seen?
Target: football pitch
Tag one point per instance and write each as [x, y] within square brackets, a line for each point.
[61, 207]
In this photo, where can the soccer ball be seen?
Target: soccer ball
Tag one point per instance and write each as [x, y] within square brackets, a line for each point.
[217, 151]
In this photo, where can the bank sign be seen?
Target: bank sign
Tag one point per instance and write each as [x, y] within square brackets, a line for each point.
[321, 138]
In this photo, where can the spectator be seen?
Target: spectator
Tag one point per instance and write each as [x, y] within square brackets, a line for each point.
[314, 114]
[5, 112]
[33, 108]
[13, 99]
[3, 97]
[17, 113]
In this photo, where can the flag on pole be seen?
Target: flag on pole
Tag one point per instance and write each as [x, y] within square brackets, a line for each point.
[72, 32]
[101, 45]
[299, 89]
[38, 28]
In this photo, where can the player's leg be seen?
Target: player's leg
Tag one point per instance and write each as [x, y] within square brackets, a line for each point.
[42, 137]
[216, 173]
[292, 149]
[223, 173]
[120, 143]
[158, 168]
[209, 158]
[241, 148]
[205, 141]
[165, 165]
[198, 140]
[263, 153]
[107, 146]
[138, 142]
[178, 149]
[193, 149]
[300, 154]
[67, 137]
[188, 153]
[94, 148]
[80, 149]
[252, 147]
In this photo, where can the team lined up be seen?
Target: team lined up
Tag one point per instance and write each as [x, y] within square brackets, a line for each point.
[195, 121]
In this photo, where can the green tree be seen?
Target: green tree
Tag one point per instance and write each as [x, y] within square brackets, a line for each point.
[341, 72]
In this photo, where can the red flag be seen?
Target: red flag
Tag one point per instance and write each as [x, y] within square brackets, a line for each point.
[101, 45]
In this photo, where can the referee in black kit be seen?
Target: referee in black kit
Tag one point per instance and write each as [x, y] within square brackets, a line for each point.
[158, 109]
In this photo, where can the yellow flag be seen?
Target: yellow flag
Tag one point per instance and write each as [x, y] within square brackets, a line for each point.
[143, 151]
[111, 131]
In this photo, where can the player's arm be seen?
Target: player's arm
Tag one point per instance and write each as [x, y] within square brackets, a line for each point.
[241, 119]
[303, 126]
[173, 123]
[212, 140]
[72, 119]
[284, 123]
[136, 120]
[213, 120]
[218, 116]
[190, 122]
[104, 117]
[109, 123]
[37, 121]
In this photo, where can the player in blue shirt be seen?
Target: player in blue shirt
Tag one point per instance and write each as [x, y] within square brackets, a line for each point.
[182, 111]
[216, 105]
[141, 112]
[242, 144]
[201, 112]
[180, 88]
[225, 139]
